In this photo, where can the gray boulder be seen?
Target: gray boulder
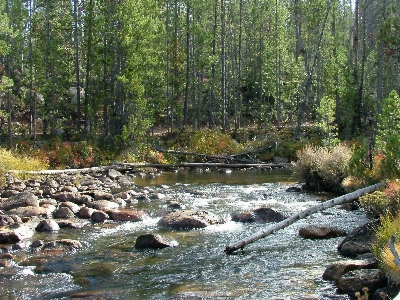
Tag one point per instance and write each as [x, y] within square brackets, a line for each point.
[15, 235]
[337, 269]
[47, 226]
[152, 241]
[355, 281]
[99, 216]
[20, 200]
[63, 213]
[321, 232]
[189, 219]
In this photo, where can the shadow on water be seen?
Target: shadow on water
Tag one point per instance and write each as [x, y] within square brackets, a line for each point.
[280, 266]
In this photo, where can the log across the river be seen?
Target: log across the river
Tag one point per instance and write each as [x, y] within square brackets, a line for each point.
[304, 213]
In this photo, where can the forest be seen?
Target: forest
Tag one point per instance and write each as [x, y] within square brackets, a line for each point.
[115, 69]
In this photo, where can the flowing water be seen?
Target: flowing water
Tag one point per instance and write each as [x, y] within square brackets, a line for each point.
[280, 266]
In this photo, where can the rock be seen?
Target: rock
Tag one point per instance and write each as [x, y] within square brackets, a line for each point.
[243, 217]
[157, 196]
[355, 281]
[69, 224]
[100, 195]
[90, 182]
[294, 189]
[50, 183]
[103, 205]
[267, 214]
[7, 256]
[152, 241]
[189, 219]
[60, 247]
[112, 173]
[225, 171]
[320, 232]
[358, 241]
[30, 211]
[14, 235]
[63, 213]
[47, 226]
[99, 216]
[68, 196]
[123, 196]
[337, 269]
[126, 215]
[9, 220]
[69, 189]
[37, 244]
[72, 206]
[86, 212]
[9, 193]
[20, 200]
[175, 204]
[17, 186]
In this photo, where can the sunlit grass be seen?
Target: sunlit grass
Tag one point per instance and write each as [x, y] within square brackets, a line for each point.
[10, 161]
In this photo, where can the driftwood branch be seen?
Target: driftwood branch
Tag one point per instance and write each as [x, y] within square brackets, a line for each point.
[305, 213]
[394, 251]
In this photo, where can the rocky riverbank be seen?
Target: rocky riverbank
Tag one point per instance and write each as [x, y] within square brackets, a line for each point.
[53, 202]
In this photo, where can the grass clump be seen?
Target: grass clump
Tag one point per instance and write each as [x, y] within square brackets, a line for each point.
[10, 161]
[322, 168]
[390, 226]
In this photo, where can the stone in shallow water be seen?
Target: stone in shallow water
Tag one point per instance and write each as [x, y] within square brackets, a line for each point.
[15, 235]
[99, 216]
[189, 219]
[321, 232]
[21, 199]
[47, 226]
[152, 241]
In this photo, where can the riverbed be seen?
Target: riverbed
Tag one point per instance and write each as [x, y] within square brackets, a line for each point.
[280, 266]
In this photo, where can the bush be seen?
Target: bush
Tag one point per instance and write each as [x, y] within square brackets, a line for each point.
[383, 203]
[389, 227]
[10, 161]
[323, 169]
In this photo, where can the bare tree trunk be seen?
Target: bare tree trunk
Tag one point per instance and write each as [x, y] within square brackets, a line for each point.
[301, 215]
[223, 66]
[77, 73]
[187, 83]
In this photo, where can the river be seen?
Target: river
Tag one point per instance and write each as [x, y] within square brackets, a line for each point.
[280, 266]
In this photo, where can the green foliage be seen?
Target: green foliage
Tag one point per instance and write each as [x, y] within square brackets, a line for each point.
[323, 169]
[326, 123]
[382, 203]
[213, 142]
[388, 136]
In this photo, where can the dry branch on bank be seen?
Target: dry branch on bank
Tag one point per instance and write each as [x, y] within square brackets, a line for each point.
[302, 214]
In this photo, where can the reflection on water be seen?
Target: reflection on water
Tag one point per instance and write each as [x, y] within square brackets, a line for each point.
[280, 266]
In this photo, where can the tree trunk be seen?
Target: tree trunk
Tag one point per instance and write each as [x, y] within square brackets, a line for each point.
[301, 215]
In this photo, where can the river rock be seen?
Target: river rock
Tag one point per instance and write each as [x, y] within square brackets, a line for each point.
[89, 181]
[321, 232]
[189, 219]
[69, 224]
[9, 193]
[72, 206]
[15, 235]
[152, 241]
[16, 186]
[68, 196]
[47, 225]
[21, 199]
[243, 217]
[86, 212]
[30, 211]
[294, 189]
[50, 183]
[63, 213]
[99, 216]
[101, 195]
[113, 174]
[69, 189]
[9, 220]
[60, 247]
[337, 269]
[358, 241]
[103, 205]
[267, 214]
[126, 215]
[355, 281]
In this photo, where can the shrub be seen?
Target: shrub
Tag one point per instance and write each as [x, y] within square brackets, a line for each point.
[11, 161]
[323, 169]
[382, 203]
[389, 227]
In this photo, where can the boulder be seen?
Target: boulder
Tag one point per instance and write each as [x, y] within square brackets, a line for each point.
[358, 241]
[126, 215]
[47, 226]
[101, 195]
[20, 200]
[267, 214]
[86, 212]
[30, 211]
[9, 220]
[355, 281]
[321, 232]
[113, 174]
[189, 219]
[60, 247]
[72, 206]
[63, 213]
[15, 235]
[99, 216]
[337, 269]
[103, 205]
[152, 241]
[68, 196]
[69, 189]
[243, 217]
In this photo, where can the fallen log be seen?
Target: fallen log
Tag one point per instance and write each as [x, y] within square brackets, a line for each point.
[302, 214]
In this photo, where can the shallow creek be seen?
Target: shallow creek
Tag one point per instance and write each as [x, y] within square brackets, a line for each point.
[280, 266]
